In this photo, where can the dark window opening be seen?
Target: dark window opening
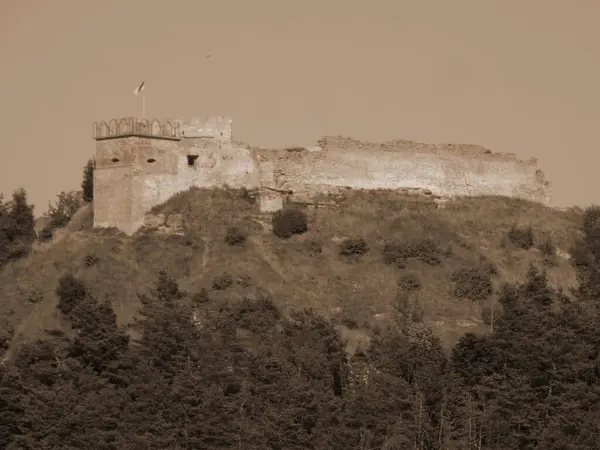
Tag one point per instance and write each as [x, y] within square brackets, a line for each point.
[191, 159]
[151, 160]
[114, 160]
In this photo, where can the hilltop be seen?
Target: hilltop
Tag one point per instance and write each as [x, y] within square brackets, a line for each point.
[361, 319]
[186, 237]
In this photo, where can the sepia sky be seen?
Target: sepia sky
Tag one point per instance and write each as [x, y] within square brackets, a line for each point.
[513, 75]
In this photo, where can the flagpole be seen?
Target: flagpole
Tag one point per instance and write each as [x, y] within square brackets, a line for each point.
[139, 90]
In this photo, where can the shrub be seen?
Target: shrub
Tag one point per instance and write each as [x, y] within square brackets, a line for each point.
[547, 247]
[289, 221]
[35, 296]
[409, 282]
[244, 281]
[313, 247]
[393, 254]
[487, 266]
[235, 237]
[90, 260]
[521, 237]
[6, 335]
[166, 288]
[201, 297]
[17, 227]
[350, 323]
[245, 195]
[425, 250]
[60, 214]
[471, 283]
[222, 282]
[353, 248]
[70, 291]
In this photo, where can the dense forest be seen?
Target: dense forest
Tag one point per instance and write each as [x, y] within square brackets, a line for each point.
[195, 373]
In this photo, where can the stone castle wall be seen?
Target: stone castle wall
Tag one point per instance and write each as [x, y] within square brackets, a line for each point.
[444, 170]
[140, 164]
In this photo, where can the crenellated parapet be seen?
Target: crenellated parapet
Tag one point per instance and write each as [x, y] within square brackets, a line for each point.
[134, 126]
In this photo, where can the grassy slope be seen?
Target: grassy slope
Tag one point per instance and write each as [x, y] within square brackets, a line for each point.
[286, 269]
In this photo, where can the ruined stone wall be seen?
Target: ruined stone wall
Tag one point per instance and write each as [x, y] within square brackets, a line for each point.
[217, 128]
[445, 170]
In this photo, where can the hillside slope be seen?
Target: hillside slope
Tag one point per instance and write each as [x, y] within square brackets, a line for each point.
[186, 237]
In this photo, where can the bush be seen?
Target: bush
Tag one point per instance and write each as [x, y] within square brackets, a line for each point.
[547, 247]
[166, 288]
[350, 323]
[60, 214]
[222, 282]
[236, 237]
[521, 237]
[393, 254]
[90, 260]
[289, 221]
[201, 297]
[425, 250]
[313, 248]
[244, 281]
[6, 335]
[17, 227]
[245, 195]
[70, 291]
[471, 283]
[353, 248]
[409, 282]
[486, 266]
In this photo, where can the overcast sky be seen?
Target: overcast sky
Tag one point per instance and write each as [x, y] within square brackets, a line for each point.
[512, 75]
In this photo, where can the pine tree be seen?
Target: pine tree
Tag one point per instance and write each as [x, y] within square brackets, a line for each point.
[17, 227]
[87, 185]
[22, 221]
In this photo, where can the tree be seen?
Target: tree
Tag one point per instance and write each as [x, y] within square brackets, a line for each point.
[17, 227]
[21, 215]
[60, 214]
[87, 185]
[586, 257]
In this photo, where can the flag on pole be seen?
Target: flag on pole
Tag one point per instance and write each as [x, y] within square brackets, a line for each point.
[140, 88]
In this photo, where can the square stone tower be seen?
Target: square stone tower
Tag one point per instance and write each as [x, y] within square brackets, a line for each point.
[129, 151]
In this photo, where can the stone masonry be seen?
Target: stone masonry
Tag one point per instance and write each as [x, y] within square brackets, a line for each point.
[141, 163]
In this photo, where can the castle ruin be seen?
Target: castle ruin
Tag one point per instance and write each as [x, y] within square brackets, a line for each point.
[141, 163]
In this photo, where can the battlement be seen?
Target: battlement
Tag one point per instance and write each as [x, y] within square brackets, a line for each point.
[134, 126]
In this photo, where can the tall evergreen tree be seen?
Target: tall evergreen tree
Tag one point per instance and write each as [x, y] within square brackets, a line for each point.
[87, 184]
[17, 227]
